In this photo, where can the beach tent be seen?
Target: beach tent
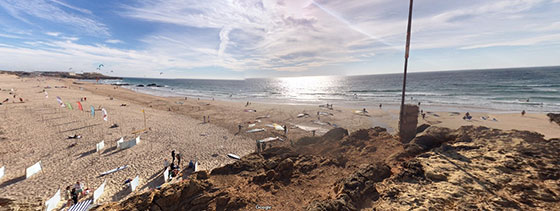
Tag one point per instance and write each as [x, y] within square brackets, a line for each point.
[81, 206]
[113, 170]
[33, 169]
[269, 139]
[104, 114]
[134, 183]
[80, 106]
[128, 144]
[53, 201]
[99, 146]
[2, 171]
[120, 142]
[92, 111]
[97, 193]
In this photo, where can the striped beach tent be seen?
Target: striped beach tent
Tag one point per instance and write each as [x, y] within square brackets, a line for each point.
[81, 206]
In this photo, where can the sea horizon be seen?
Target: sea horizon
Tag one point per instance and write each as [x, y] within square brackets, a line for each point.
[498, 90]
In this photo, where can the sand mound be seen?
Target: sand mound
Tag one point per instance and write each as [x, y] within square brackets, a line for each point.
[554, 117]
[475, 168]
[442, 169]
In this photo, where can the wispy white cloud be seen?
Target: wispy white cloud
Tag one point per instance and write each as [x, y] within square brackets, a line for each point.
[72, 7]
[49, 10]
[113, 41]
[291, 36]
[54, 34]
[10, 36]
[550, 39]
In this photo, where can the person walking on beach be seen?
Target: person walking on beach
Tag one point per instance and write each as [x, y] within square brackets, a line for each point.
[285, 130]
[239, 128]
[523, 113]
[380, 105]
[364, 110]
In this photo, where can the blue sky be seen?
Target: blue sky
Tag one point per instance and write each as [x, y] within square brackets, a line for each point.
[266, 38]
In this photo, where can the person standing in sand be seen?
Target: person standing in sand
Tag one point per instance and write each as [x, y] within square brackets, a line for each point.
[178, 160]
[74, 195]
[173, 157]
[523, 113]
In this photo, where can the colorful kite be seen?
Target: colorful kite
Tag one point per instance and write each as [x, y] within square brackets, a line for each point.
[69, 106]
[60, 101]
[80, 106]
[104, 114]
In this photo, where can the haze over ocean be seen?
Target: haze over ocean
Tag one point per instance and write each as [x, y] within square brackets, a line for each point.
[499, 89]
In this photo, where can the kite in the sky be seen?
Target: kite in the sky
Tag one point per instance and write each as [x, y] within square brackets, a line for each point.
[99, 67]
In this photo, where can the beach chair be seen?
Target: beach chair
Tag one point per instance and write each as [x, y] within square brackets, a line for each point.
[81, 206]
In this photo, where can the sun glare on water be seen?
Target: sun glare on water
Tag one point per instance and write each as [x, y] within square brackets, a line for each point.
[308, 88]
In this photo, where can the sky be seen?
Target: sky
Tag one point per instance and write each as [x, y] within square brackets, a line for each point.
[236, 39]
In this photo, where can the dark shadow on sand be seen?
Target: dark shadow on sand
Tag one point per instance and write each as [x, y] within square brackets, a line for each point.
[12, 181]
[79, 128]
[87, 153]
[64, 123]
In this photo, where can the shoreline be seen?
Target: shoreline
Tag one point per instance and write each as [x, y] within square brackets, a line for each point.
[353, 104]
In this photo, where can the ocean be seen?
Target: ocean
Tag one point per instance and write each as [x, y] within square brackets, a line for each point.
[508, 90]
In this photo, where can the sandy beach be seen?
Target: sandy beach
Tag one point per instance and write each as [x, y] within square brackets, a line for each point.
[38, 130]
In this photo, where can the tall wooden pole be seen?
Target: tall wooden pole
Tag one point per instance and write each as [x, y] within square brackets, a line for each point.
[145, 127]
[406, 58]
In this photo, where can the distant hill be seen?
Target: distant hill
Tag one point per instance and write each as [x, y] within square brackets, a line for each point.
[89, 75]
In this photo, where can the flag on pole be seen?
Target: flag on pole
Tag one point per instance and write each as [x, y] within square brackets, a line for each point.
[80, 106]
[104, 114]
[92, 111]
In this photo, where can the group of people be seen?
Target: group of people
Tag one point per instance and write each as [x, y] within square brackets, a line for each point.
[174, 169]
[74, 193]
[467, 116]
[206, 119]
